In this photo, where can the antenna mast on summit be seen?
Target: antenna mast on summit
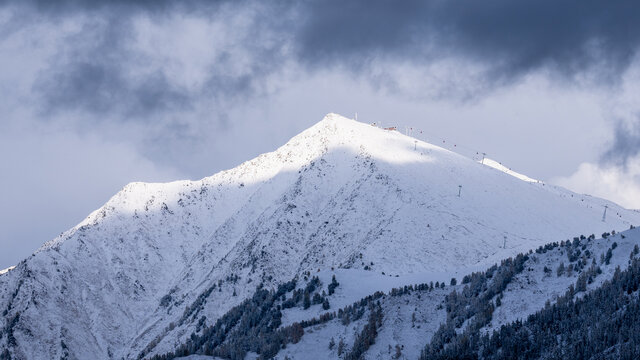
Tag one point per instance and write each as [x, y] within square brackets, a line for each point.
[604, 216]
[483, 155]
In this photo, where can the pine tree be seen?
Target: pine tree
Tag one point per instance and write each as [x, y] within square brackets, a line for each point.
[607, 258]
[325, 304]
[307, 300]
[581, 284]
[560, 270]
[333, 285]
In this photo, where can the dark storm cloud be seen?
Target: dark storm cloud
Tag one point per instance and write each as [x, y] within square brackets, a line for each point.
[512, 38]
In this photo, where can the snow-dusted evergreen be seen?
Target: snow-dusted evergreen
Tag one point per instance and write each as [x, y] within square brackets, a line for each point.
[159, 262]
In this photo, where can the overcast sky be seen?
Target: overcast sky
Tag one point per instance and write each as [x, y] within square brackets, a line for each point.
[96, 94]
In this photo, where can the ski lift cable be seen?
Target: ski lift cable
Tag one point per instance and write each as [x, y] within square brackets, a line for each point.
[424, 135]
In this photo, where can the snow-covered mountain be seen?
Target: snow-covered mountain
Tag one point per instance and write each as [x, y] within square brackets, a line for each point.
[139, 273]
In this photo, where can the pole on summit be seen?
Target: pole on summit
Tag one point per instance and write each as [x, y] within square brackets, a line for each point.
[604, 216]
[459, 190]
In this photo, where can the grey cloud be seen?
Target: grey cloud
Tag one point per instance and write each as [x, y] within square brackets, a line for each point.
[512, 37]
[572, 38]
[90, 70]
[101, 89]
[96, 70]
[94, 79]
[625, 145]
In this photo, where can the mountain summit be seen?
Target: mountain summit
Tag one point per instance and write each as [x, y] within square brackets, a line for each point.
[139, 273]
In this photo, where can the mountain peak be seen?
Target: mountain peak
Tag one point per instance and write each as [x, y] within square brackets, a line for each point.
[334, 117]
[334, 124]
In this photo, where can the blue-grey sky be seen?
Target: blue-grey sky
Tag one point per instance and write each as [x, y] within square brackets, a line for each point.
[96, 94]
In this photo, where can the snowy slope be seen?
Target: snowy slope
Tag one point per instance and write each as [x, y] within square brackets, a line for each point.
[341, 194]
[410, 320]
[498, 166]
